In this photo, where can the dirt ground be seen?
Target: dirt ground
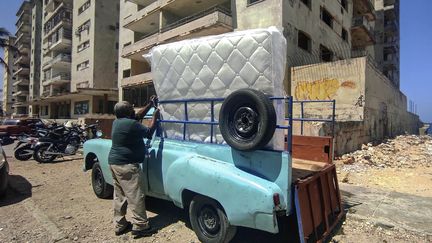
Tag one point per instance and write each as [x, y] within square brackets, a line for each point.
[55, 203]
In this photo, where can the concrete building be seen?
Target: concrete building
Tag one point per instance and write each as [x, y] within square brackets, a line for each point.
[146, 23]
[388, 43]
[22, 63]
[94, 56]
[56, 58]
[35, 57]
[9, 56]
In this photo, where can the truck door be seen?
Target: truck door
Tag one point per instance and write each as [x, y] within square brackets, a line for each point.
[155, 168]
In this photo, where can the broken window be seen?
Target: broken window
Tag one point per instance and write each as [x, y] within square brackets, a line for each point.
[138, 95]
[326, 54]
[307, 3]
[303, 41]
[326, 17]
[344, 34]
[253, 1]
[344, 4]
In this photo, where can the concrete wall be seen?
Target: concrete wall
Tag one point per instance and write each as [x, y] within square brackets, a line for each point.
[368, 106]
[105, 40]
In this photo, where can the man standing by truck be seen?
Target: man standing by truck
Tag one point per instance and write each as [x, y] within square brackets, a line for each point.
[124, 158]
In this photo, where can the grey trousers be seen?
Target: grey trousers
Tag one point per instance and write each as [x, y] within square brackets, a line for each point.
[128, 192]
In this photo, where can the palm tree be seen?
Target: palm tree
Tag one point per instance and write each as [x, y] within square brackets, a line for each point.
[4, 43]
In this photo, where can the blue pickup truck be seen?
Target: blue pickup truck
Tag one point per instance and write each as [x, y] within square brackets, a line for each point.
[232, 184]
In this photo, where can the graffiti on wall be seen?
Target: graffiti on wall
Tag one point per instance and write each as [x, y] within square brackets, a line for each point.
[323, 89]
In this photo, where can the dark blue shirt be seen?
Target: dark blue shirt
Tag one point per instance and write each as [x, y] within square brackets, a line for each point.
[127, 142]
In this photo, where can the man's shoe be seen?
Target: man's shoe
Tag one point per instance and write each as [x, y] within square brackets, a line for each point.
[143, 233]
[124, 229]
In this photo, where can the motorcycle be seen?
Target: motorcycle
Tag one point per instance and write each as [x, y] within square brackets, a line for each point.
[60, 141]
[24, 149]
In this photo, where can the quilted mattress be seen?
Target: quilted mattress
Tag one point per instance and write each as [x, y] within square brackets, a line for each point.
[213, 67]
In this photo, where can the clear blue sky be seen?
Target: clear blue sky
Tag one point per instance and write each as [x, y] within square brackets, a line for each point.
[416, 49]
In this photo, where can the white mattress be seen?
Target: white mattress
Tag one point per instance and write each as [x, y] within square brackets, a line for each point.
[213, 67]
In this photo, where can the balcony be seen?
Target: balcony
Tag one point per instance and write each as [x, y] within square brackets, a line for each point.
[22, 38]
[145, 20]
[364, 8]
[57, 79]
[60, 61]
[23, 70]
[362, 32]
[391, 26]
[58, 42]
[24, 48]
[139, 79]
[21, 93]
[141, 2]
[391, 49]
[391, 13]
[21, 81]
[22, 59]
[389, 2]
[23, 27]
[209, 22]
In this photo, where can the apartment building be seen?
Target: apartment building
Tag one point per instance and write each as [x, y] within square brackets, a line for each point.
[9, 56]
[22, 63]
[56, 58]
[94, 56]
[35, 57]
[387, 48]
[316, 31]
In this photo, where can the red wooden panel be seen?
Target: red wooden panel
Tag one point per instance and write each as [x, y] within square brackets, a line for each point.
[313, 148]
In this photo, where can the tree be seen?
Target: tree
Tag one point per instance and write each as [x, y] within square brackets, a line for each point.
[4, 43]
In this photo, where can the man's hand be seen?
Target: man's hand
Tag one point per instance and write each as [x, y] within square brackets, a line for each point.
[153, 100]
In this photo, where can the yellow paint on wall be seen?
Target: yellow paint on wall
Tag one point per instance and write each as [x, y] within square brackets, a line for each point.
[323, 89]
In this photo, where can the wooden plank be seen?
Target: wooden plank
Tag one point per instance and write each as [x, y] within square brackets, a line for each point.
[313, 148]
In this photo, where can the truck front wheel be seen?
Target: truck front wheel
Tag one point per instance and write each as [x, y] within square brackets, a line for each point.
[100, 187]
[209, 221]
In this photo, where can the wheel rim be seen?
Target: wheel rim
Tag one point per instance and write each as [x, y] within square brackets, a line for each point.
[42, 155]
[98, 180]
[244, 123]
[208, 221]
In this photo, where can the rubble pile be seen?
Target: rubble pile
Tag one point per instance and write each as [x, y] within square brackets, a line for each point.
[405, 151]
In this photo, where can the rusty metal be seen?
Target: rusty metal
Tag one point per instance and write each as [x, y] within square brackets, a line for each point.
[318, 204]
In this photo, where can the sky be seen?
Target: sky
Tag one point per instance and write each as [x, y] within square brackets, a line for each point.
[416, 49]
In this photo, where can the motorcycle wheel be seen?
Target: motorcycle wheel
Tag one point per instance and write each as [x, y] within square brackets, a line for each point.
[40, 156]
[23, 153]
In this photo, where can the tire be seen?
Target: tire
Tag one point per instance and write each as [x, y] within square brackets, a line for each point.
[20, 153]
[247, 120]
[39, 154]
[209, 221]
[100, 187]
[3, 181]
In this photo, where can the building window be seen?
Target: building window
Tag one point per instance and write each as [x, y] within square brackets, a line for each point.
[127, 44]
[307, 3]
[81, 28]
[138, 95]
[117, 45]
[326, 17]
[126, 73]
[326, 54]
[83, 65]
[303, 41]
[116, 67]
[250, 2]
[344, 4]
[81, 107]
[344, 34]
[83, 7]
[83, 46]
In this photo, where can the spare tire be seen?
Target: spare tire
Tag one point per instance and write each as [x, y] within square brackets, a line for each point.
[247, 120]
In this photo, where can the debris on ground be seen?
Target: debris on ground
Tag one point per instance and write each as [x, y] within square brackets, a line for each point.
[404, 151]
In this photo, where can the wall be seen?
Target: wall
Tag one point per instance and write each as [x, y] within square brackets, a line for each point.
[258, 15]
[368, 106]
[105, 51]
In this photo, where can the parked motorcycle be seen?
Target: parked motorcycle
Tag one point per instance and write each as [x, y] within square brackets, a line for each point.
[24, 149]
[59, 142]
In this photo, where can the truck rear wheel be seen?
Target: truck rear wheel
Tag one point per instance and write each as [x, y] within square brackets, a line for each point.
[247, 120]
[209, 221]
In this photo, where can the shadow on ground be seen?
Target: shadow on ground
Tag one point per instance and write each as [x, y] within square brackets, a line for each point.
[19, 189]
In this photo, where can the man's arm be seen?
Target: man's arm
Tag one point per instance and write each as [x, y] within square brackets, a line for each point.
[142, 112]
[147, 132]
